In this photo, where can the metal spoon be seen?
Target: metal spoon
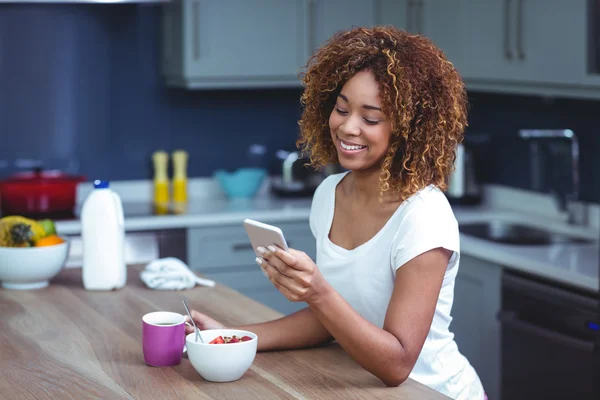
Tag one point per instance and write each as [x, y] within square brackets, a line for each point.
[192, 319]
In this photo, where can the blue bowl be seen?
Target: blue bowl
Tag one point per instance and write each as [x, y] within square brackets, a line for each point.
[242, 183]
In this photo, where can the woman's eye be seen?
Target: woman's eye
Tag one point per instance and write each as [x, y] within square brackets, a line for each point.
[341, 112]
[371, 122]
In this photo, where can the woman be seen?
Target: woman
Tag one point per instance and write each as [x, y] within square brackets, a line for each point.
[391, 109]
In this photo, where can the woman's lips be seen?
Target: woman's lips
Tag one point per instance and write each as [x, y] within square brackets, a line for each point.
[350, 148]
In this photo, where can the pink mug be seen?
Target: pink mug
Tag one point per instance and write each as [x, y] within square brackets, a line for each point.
[163, 338]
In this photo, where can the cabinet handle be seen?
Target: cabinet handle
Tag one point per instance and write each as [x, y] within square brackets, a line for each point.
[247, 246]
[520, 51]
[507, 52]
[242, 246]
[196, 29]
[511, 319]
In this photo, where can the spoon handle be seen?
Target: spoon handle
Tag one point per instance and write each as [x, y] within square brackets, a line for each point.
[192, 319]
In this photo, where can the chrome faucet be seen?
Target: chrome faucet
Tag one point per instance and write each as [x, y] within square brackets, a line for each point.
[567, 200]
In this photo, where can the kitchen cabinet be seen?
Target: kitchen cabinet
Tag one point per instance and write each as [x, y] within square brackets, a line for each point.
[329, 16]
[234, 43]
[224, 254]
[257, 44]
[477, 301]
[529, 47]
[445, 23]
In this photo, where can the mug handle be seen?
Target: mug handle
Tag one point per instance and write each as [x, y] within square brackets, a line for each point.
[185, 345]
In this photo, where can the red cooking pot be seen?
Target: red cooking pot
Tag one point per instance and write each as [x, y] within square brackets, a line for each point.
[39, 194]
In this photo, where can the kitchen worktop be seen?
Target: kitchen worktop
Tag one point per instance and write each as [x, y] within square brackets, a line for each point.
[571, 264]
[64, 341]
[140, 216]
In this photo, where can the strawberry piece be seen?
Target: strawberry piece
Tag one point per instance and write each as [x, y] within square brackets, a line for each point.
[234, 340]
[246, 338]
[217, 340]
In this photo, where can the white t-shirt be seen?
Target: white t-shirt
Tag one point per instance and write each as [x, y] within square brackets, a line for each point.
[364, 277]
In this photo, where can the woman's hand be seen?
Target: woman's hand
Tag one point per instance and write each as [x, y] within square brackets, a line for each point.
[293, 273]
[202, 321]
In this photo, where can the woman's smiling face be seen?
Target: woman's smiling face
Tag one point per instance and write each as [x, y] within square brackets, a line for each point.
[360, 130]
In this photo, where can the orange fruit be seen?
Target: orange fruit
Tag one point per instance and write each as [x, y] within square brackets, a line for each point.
[49, 241]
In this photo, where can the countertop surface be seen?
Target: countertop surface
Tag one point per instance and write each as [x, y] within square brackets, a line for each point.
[63, 341]
[571, 264]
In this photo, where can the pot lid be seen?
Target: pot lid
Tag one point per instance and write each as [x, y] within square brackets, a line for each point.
[43, 176]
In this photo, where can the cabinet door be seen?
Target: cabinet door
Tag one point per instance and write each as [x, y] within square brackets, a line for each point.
[445, 23]
[224, 253]
[253, 43]
[477, 300]
[398, 13]
[491, 40]
[330, 16]
[554, 40]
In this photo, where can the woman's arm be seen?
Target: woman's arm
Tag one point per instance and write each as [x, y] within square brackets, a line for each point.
[298, 330]
[389, 353]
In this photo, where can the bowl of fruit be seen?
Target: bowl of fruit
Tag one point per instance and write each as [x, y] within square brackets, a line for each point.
[31, 253]
[224, 355]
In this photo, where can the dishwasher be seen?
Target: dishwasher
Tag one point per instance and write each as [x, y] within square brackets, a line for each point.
[548, 339]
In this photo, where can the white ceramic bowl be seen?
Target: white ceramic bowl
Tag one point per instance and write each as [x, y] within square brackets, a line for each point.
[221, 362]
[25, 268]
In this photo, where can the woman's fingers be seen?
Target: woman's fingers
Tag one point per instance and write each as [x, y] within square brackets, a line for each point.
[273, 259]
[282, 282]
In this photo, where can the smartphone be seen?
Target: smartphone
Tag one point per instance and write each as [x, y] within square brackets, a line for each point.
[264, 235]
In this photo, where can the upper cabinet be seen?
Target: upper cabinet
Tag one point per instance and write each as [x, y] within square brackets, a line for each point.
[536, 47]
[234, 43]
[530, 47]
[445, 23]
[259, 43]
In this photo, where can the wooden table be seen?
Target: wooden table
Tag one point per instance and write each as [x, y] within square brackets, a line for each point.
[63, 342]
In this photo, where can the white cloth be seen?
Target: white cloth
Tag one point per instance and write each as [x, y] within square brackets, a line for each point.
[365, 276]
[171, 273]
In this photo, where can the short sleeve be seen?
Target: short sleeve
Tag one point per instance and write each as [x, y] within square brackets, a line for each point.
[425, 226]
[316, 208]
[321, 203]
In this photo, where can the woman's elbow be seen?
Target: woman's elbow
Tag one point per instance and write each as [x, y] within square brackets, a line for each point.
[396, 378]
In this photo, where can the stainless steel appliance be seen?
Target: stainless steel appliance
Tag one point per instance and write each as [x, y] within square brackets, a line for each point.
[296, 178]
[463, 184]
[549, 338]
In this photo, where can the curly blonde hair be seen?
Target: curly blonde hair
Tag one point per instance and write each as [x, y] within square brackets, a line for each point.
[421, 92]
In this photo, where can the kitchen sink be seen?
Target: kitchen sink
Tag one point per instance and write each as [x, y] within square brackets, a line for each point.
[517, 234]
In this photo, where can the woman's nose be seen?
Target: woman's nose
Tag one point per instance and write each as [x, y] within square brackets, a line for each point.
[350, 126]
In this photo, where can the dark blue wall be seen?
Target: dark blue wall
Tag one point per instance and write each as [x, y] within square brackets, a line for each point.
[80, 89]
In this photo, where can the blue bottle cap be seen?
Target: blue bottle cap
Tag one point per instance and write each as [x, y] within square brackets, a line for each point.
[98, 184]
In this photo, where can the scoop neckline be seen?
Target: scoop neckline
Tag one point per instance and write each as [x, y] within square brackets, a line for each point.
[362, 247]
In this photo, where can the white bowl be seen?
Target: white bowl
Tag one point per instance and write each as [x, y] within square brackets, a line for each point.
[221, 362]
[25, 268]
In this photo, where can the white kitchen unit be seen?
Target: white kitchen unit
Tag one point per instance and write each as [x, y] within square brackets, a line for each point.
[532, 47]
[537, 47]
[257, 44]
[234, 43]
[446, 24]
[477, 301]
[224, 254]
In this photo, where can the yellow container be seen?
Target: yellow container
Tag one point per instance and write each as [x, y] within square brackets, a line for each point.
[180, 181]
[161, 182]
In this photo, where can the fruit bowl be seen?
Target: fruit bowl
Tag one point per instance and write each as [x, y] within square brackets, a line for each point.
[224, 362]
[23, 268]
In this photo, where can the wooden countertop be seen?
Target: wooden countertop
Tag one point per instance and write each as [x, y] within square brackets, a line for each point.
[66, 342]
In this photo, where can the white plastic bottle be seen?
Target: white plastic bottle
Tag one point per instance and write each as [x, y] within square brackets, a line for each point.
[103, 237]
